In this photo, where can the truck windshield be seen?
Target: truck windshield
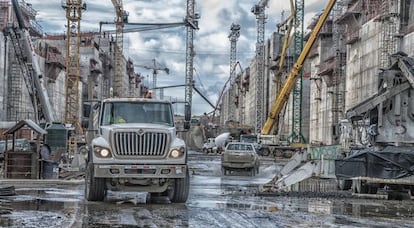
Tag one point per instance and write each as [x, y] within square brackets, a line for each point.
[137, 112]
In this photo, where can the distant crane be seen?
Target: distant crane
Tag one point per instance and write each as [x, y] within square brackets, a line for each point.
[192, 24]
[155, 68]
[121, 18]
[259, 11]
[233, 36]
[74, 10]
[296, 135]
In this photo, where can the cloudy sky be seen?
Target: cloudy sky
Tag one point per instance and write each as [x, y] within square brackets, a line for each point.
[167, 46]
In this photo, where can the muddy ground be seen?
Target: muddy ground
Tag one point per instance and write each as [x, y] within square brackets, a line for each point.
[215, 201]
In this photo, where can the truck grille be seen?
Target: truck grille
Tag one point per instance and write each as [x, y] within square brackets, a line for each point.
[146, 144]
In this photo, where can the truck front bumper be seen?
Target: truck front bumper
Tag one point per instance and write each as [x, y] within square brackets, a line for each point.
[139, 171]
[237, 165]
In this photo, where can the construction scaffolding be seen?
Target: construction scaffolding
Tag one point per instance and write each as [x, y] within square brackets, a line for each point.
[390, 37]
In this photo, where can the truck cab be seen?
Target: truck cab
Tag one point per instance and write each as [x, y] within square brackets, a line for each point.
[140, 153]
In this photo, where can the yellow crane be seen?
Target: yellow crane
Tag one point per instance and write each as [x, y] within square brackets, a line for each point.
[73, 10]
[292, 78]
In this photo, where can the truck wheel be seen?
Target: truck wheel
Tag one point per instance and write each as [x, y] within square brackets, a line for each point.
[181, 189]
[278, 153]
[265, 152]
[205, 150]
[94, 187]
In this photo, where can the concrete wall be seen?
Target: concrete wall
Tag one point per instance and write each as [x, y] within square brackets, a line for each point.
[363, 65]
[407, 45]
[3, 78]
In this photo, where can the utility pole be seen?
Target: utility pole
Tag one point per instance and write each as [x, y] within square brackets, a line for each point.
[259, 11]
[192, 24]
[233, 36]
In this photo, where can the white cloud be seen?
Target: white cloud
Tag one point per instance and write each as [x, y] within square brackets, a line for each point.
[168, 45]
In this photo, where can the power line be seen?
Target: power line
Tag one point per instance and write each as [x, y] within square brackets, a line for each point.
[201, 53]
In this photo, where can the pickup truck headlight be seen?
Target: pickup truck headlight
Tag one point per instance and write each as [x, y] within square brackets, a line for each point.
[177, 152]
[102, 152]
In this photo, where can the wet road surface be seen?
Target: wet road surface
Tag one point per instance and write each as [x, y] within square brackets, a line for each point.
[215, 201]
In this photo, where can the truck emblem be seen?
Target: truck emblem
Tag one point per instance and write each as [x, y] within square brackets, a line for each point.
[140, 132]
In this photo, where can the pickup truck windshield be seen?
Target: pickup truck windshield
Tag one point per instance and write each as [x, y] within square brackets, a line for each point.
[137, 112]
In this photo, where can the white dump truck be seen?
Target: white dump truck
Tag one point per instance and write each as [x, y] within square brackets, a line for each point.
[133, 146]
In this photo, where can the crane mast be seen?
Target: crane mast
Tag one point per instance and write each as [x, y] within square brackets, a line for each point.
[296, 135]
[259, 11]
[192, 24]
[234, 36]
[74, 10]
[121, 18]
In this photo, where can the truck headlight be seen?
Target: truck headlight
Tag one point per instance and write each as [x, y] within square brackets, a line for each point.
[176, 152]
[102, 152]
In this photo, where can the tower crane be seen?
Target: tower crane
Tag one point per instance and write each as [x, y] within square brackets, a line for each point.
[259, 11]
[121, 18]
[233, 36]
[296, 135]
[192, 24]
[155, 68]
[74, 10]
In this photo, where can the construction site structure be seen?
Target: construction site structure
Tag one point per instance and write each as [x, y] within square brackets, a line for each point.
[192, 24]
[118, 82]
[16, 103]
[233, 37]
[155, 67]
[259, 11]
[73, 10]
[296, 135]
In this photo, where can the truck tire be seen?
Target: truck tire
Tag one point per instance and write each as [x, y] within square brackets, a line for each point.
[181, 189]
[94, 187]
[265, 152]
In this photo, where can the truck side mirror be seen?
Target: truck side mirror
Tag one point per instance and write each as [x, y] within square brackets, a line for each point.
[86, 110]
